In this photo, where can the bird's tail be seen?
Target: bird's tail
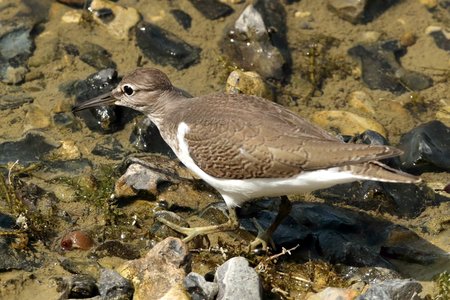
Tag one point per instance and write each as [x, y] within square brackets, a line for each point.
[375, 170]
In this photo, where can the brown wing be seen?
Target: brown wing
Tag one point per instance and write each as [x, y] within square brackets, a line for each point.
[251, 138]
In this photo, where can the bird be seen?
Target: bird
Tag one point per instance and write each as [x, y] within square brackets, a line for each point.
[247, 147]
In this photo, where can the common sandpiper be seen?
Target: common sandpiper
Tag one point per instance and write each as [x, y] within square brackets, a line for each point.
[247, 147]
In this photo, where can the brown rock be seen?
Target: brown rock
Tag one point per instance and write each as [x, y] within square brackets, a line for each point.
[161, 272]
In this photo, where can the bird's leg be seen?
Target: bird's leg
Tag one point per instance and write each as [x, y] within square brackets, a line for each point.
[266, 236]
[231, 224]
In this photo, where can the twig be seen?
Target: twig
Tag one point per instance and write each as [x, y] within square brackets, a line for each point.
[10, 172]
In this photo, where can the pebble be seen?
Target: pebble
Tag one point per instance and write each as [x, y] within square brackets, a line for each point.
[165, 48]
[161, 272]
[237, 280]
[125, 18]
[77, 240]
[393, 289]
[346, 123]
[199, 288]
[72, 16]
[441, 37]
[182, 18]
[359, 11]
[249, 83]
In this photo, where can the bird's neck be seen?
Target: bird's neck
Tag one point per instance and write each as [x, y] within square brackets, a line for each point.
[163, 104]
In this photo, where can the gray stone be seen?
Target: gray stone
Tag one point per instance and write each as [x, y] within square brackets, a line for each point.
[393, 289]
[237, 280]
[112, 286]
[199, 288]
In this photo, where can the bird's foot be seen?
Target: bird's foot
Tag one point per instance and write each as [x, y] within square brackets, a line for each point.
[191, 233]
[262, 239]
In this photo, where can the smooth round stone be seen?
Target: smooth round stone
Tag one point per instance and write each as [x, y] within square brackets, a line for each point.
[249, 83]
[346, 122]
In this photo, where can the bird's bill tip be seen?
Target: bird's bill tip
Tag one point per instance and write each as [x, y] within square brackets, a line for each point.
[105, 99]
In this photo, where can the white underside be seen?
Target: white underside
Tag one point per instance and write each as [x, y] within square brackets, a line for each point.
[235, 192]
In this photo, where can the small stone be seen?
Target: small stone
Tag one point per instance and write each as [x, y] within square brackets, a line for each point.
[331, 293]
[302, 14]
[112, 286]
[237, 280]
[199, 288]
[72, 16]
[361, 101]
[441, 37]
[124, 18]
[393, 289]
[369, 37]
[77, 239]
[249, 83]
[182, 18]
[81, 286]
[212, 9]
[346, 123]
[162, 269]
[408, 39]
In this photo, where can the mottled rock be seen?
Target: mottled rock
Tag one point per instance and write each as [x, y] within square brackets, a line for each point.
[212, 9]
[164, 48]
[123, 18]
[249, 83]
[199, 288]
[381, 69]
[81, 286]
[140, 180]
[426, 148]
[393, 289]
[92, 54]
[237, 280]
[346, 123]
[146, 137]
[257, 40]
[30, 149]
[112, 286]
[331, 293]
[182, 18]
[359, 11]
[160, 272]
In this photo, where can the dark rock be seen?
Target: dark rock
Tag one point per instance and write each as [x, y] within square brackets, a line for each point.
[110, 147]
[105, 14]
[76, 3]
[393, 289]
[403, 200]
[237, 280]
[441, 38]
[146, 137]
[199, 288]
[104, 119]
[82, 286]
[257, 40]
[212, 9]
[13, 102]
[16, 46]
[381, 69]
[359, 11]
[96, 56]
[117, 249]
[165, 48]
[426, 148]
[112, 286]
[81, 266]
[32, 148]
[182, 18]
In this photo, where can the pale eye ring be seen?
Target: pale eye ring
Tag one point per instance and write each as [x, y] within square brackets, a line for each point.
[128, 89]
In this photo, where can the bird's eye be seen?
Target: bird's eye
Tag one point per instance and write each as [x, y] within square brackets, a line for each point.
[128, 89]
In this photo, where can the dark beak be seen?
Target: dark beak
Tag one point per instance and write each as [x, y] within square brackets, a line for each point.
[105, 99]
